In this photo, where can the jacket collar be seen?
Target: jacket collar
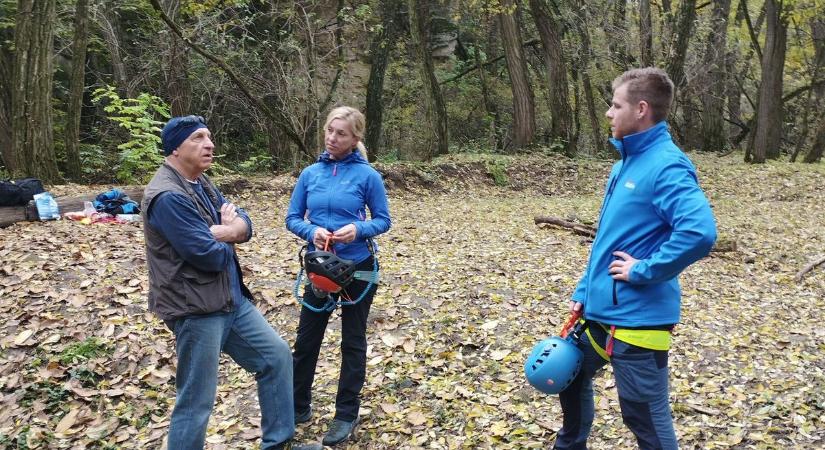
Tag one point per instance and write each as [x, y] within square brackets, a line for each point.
[354, 157]
[639, 142]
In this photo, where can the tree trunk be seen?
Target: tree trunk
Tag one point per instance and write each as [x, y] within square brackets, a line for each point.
[175, 71]
[684, 28]
[524, 111]
[380, 49]
[733, 89]
[617, 36]
[815, 153]
[714, 135]
[6, 76]
[768, 135]
[32, 141]
[645, 33]
[561, 125]
[77, 87]
[109, 26]
[815, 94]
[584, 58]
[434, 106]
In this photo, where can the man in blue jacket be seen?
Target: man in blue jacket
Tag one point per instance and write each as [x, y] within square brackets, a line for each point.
[655, 221]
[196, 287]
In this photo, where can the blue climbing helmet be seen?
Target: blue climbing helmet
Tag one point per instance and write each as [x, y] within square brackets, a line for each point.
[554, 362]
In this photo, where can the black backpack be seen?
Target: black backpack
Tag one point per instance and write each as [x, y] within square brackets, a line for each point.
[19, 192]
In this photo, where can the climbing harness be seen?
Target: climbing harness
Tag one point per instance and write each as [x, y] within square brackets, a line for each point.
[328, 276]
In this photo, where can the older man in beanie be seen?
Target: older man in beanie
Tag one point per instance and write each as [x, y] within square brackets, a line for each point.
[196, 288]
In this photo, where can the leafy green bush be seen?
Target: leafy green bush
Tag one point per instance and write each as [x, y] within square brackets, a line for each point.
[140, 155]
[497, 169]
[257, 163]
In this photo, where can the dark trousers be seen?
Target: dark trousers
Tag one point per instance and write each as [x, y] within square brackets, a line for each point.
[642, 383]
[311, 330]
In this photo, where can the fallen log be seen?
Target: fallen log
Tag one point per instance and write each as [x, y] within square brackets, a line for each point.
[12, 214]
[721, 245]
[578, 228]
[809, 267]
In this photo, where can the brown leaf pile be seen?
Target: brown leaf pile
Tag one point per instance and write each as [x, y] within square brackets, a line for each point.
[469, 285]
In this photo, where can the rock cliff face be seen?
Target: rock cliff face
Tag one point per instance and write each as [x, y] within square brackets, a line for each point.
[444, 37]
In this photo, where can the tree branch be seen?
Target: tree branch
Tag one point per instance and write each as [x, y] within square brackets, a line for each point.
[276, 117]
[809, 267]
[529, 43]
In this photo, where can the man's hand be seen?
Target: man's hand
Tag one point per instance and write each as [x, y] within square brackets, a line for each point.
[620, 268]
[575, 306]
[228, 213]
[232, 228]
[345, 234]
[320, 238]
[223, 233]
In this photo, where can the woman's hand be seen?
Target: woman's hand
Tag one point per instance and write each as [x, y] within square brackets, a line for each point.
[345, 234]
[320, 238]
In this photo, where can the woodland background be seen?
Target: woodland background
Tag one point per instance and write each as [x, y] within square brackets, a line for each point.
[481, 115]
[85, 84]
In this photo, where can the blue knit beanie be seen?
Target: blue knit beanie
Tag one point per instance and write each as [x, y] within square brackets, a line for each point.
[177, 130]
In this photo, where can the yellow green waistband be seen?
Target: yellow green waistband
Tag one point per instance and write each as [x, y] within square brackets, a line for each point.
[650, 339]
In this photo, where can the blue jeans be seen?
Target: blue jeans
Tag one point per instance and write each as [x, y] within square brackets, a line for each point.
[642, 383]
[246, 336]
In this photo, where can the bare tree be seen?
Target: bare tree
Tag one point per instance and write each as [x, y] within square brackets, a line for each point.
[6, 78]
[435, 108]
[32, 141]
[815, 153]
[583, 62]
[684, 28]
[524, 115]
[392, 24]
[550, 31]
[645, 33]
[768, 133]
[109, 23]
[176, 63]
[818, 34]
[77, 86]
[714, 80]
[617, 36]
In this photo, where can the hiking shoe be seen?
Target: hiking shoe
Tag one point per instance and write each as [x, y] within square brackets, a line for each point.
[291, 445]
[339, 431]
[303, 416]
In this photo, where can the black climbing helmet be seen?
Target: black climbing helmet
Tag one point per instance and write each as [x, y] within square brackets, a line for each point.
[328, 272]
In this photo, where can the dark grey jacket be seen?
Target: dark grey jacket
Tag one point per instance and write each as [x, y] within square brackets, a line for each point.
[177, 288]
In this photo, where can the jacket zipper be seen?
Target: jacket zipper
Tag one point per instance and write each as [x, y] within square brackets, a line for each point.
[608, 196]
[615, 296]
[329, 195]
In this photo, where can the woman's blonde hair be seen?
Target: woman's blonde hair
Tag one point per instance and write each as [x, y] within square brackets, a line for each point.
[356, 122]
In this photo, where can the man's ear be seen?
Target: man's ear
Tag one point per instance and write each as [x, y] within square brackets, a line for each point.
[642, 109]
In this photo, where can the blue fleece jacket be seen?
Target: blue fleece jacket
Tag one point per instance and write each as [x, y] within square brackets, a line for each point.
[332, 194]
[654, 210]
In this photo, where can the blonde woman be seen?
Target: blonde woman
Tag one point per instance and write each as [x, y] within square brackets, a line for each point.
[328, 206]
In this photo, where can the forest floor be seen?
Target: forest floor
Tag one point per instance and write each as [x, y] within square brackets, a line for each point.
[469, 284]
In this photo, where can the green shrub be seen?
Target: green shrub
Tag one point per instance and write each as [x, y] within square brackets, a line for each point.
[82, 351]
[257, 163]
[140, 155]
[497, 169]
